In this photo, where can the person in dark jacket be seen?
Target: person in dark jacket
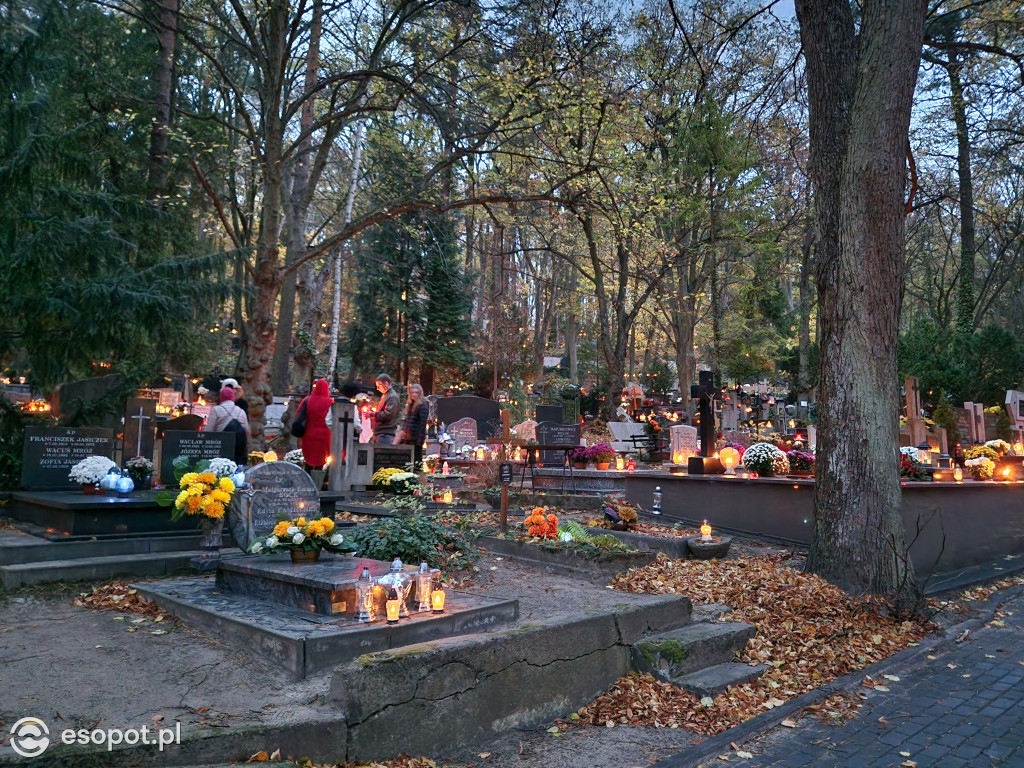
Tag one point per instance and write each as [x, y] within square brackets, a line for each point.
[316, 442]
[389, 409]
[414, 429]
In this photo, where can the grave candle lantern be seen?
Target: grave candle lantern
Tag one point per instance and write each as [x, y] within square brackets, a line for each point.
[958, 475]
[125, 485]
[924, 454]
[705, 532]
[1018, 448]
[437, 598]
[424, 582]
[364, 590]
[446, 497]
[656, 501]
[620, 463]
[631, 465]
[480, 454]
[729, 456]
[391, 606]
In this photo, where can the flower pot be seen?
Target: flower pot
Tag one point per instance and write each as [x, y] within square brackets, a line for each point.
[579, 465]
[602, 464]
[305, 555]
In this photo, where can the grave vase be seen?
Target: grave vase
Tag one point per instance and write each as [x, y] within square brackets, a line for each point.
[212, 538]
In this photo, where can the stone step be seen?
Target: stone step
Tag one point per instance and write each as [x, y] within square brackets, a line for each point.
[21, 548]
[678, 652]
[95, 568]
[713, 680]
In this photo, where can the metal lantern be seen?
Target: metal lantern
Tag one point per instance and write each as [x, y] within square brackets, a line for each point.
[437, 597]
[924, 454]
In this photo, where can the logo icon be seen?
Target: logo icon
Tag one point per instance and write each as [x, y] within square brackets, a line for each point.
[30, 737]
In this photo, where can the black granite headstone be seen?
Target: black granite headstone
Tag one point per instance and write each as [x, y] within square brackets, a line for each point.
[391, 456]
[49, 453]
[558, 435]
[275, 488]
[486, 413]
[186, 423]
[194, 445]
[552, 413]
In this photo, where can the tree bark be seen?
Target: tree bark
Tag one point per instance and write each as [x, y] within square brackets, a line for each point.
[860, 87]
[160, 133]
[803, 383]
[965, 278]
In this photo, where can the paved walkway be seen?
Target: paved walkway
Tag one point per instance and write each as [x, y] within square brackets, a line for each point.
[963, 708]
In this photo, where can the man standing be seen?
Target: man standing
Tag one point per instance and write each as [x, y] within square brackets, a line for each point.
[385, 418]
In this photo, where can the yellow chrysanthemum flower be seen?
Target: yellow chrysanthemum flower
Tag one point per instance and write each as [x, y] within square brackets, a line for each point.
[220, 496]
[214, 510]
[196, 489]
[179, 502]
[187, 479]
[300, 522]
[194, 503]
[208, 477]
[226, 485]
[327, 523]
[281, 529]
[315, 529]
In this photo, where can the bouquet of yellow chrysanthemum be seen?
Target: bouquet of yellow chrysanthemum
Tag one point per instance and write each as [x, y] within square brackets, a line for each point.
[301, 533]
[204, 490]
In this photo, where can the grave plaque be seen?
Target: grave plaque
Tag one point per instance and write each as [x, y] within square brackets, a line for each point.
[965, 424]
[557, 435]
[463, 432]
[275, 488]
[486, 413]
[392, 457]
[506, 474]
[684, 443]
[194, 445]
[49, 453]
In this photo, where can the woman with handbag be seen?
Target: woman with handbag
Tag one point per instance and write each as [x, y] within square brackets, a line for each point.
[315, 437]
[414, 430]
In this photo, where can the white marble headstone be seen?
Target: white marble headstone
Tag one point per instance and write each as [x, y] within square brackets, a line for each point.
[684, 442]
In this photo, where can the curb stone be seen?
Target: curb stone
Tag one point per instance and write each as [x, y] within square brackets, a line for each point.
[906, 659]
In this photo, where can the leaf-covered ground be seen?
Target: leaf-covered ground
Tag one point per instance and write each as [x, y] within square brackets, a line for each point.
[809, 631]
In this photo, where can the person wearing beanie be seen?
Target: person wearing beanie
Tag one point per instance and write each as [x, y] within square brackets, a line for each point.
[316, 441]
[228, 417]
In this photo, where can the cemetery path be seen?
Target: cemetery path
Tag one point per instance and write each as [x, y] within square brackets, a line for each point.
[83, 668]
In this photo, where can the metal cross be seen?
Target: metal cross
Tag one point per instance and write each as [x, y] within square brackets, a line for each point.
[141, 418]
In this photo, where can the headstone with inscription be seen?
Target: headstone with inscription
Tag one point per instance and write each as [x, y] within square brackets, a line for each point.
[139, 428]
[915, 424]
[196, 446]
[737, 436]
[684, 443]
[979, 422]
[486, 413]
[463, 432]
[275, 488]
[391, 456]
[1015, 409]
[965, 425]
[555, 435]
[49, 453]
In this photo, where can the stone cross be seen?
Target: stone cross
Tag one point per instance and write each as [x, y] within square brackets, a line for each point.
[706, 392]
[141, 418]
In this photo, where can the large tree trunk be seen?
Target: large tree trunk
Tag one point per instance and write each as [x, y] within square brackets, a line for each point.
[163, 98]
[965, 277]
[861, 85]
[803, 378]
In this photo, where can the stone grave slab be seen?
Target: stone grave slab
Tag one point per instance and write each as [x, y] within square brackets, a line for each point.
[49, 453]
[486, 413]
[326, 587]
[194, 445]
[65, 515]
[139, 424]
[463, 432]
[306, 643]
[276, 488]
[684, 443]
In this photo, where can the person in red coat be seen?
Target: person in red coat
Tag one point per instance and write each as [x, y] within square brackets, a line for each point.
[316, 442]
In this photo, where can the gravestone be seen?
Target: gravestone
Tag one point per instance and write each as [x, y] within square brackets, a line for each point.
[526, 431]
[486, 413]
[552, 413]
[350, 466]
[463, 432]
[187, 423]
[275, 488]
[391, 456]
[72, 398]
[49, 453]
[730, 416]
[139, 428]
[555, 435]
[737, 436]
[1015, 409]
[706, 392]
[915, 424]
[965, 423]
[196, 446]
[684, 443]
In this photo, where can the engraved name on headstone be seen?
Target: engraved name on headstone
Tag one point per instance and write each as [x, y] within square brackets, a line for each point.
[463, 433]
[684, 442]
[49, 453]
[275, 488]
[194, 445]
